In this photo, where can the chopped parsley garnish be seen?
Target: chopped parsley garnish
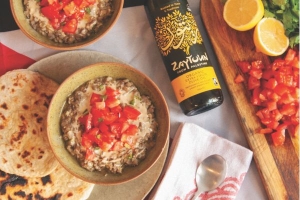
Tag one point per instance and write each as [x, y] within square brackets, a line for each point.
[87, 10]
[102, 87]
[133, 101]
[104, 97]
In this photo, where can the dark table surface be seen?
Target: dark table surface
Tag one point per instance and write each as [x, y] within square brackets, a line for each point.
[7, 22]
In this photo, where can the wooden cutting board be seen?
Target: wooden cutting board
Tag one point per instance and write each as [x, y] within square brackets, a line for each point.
[278, 166]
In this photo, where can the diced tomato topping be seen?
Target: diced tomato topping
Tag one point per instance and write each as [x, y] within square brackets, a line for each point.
[52, 2]
[86, 141]
[55, 23]
[112, 101]
[288, 109]
[255, 99]
[65, 2]
[290, 55]
[108, 125]
[256, 73]
[267, 74]
[78, 2]
[70, 26]
[131, 112]
[272, 105]
[109, 118]
[65, 14]
[278, 137]
[257, 65]
[86, 121]
[95, 98]
[295, 62]
[119, 127]
[70, 8]
[111, 92]
[116, 109]
[275, 89]
[97, 116]
[128, 139]
[117, 146]
[271, 83]
[239, 78]
[51, 12]
[244, 66]
[253, 83]
[89, 154]
[103, 127]
[100, 105]
[131, 130]
[265, 130]
[44, 3]
[106, 146]
[129, 135]
[91, 1]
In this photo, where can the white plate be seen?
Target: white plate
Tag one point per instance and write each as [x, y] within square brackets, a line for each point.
[58, 67]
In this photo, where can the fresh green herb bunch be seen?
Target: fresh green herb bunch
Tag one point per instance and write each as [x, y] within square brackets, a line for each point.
[286, 11]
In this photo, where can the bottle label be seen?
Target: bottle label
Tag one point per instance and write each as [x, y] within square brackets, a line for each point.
[195, 82]
[180, 43]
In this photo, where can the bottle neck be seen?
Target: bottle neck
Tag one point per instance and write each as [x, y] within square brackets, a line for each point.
[158, 4]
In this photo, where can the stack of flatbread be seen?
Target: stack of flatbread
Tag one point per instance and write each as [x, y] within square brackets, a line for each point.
[28, 167]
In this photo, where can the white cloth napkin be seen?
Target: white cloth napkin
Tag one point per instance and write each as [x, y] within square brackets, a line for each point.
[190, 146]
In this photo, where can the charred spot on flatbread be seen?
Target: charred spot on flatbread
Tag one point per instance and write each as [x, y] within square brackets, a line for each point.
[4, 106]
[25, 107]
[10, 180]
[59, 185]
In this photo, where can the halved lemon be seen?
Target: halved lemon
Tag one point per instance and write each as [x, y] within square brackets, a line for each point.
[269, 37]
[243, 15]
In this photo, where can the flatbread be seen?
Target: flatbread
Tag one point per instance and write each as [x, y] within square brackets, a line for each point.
[60, 184]
[24, 147]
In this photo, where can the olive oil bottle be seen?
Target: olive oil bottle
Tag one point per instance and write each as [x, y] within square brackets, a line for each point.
[178, 38]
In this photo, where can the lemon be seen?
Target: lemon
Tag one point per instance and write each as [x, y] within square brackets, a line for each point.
[243, 15]
[269, 37]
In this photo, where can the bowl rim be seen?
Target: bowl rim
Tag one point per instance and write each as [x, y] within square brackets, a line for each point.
[72, 46]
[162, 101]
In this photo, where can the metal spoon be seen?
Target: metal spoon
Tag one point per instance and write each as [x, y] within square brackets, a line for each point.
[210, 173]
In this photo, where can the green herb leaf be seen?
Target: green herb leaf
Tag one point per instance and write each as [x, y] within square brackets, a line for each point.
[132, 101]
[104, 97]
[101, 87]
[87, 10]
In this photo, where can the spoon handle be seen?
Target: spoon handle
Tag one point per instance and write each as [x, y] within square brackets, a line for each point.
[199, 191]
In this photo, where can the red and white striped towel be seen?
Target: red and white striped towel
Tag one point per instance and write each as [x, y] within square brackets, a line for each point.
[190, 146]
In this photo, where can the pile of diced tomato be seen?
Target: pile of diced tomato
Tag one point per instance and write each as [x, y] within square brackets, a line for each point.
[65, 14]
[275, 89]
[107, 124]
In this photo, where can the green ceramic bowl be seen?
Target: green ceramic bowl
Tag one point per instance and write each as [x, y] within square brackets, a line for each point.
[144, 85]
[17, 9]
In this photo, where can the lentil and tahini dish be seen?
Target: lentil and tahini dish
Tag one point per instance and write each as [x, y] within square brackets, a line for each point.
[67, 21]
[107, 124]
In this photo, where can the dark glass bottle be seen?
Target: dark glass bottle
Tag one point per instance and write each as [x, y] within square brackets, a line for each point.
[178, 38]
